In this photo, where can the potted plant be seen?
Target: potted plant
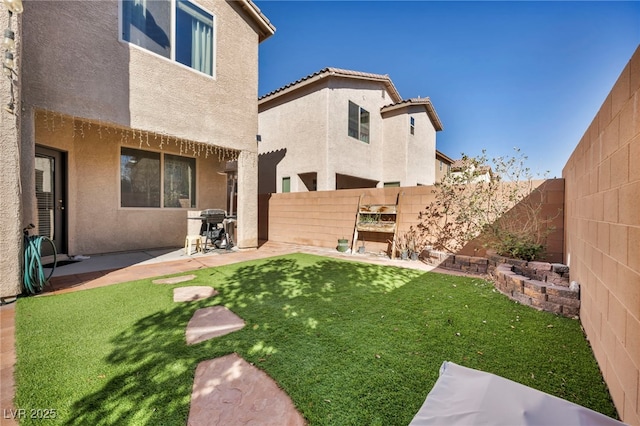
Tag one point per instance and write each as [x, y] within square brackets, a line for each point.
[409, 244]
[415, 242]
[402, 245]
[343, 245]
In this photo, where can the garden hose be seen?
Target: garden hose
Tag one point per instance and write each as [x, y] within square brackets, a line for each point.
[33, 279]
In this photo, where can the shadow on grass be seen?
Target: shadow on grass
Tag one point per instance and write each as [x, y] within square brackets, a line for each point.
[155, 367]
[350, 343]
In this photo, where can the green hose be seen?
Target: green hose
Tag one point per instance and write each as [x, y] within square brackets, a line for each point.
[33, 279]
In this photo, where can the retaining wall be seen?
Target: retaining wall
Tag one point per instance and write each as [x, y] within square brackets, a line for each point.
[541, 285]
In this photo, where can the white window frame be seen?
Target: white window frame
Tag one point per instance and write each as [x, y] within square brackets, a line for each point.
[412, 125]
[361, 136]
[173, 37]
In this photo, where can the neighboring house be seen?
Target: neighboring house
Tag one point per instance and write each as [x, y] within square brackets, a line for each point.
[339, 129]
[468, 170]
[443, 165]
[127, 113]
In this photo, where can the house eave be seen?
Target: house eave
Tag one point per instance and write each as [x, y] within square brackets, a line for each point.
[265, 27]
[443, 156]
[425, 102]
[332, 73]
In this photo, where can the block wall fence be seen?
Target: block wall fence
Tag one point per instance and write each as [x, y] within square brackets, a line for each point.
[320, 218]
[602, 240]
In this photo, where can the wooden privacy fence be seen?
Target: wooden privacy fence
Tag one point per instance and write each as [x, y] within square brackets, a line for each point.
[321, 218]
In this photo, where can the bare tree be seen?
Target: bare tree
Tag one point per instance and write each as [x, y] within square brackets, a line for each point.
[499, 204]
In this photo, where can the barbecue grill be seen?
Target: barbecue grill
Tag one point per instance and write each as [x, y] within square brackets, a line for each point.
[210, 229]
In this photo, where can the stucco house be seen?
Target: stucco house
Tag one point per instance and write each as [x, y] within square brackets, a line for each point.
[443, 165]
[126, 115]
[468, 170]
[340, 129]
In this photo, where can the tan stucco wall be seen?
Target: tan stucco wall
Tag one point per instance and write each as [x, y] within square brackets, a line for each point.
[76, 66]
[97, 223]
[309, 127]
[603, 237]
[441, 167]
[10, 206]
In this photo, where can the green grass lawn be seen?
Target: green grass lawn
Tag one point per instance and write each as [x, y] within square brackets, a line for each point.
[351, 343]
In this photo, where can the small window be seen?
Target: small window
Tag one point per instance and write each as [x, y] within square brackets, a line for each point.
[440, 165]
[286, 184]
[391, 184]
[179, 181]
[412, 125]
[358, 122]
[151, 25]
[139, 178]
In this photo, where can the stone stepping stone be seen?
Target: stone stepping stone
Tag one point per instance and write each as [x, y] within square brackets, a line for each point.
[174, 280]
[214, 321]
[230, 391]
[193, 293]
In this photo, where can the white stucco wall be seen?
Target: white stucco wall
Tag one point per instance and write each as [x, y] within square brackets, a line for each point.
[409, 158]
[298, 124]
[351, 156]
[312, 125]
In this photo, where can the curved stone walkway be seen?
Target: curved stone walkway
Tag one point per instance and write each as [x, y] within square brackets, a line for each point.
[228, 390]
[214, 321]
[193, 293]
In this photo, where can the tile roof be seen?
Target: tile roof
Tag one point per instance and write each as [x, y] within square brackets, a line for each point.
[426, 102]
[336, 72]
[443, 156]
[461, 165]
[265, 26]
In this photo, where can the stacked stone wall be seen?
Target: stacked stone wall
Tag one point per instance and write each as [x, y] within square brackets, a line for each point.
[541, 285]
[459, 262]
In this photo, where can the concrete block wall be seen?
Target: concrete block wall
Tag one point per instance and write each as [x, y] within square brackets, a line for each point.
[602, 239]
[550, 193]
[320, 218]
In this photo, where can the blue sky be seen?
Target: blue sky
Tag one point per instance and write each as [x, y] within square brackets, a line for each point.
[501, 74]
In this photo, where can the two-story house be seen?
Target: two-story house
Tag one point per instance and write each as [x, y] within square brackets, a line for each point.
[443, 165]
[130, 111]
[339, 129]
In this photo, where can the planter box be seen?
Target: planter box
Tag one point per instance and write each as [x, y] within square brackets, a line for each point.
[388, 227]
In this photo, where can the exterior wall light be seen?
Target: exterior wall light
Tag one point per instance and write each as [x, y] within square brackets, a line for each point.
[9, 44]
[8, 60]
[9, 41]
[14, 6]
